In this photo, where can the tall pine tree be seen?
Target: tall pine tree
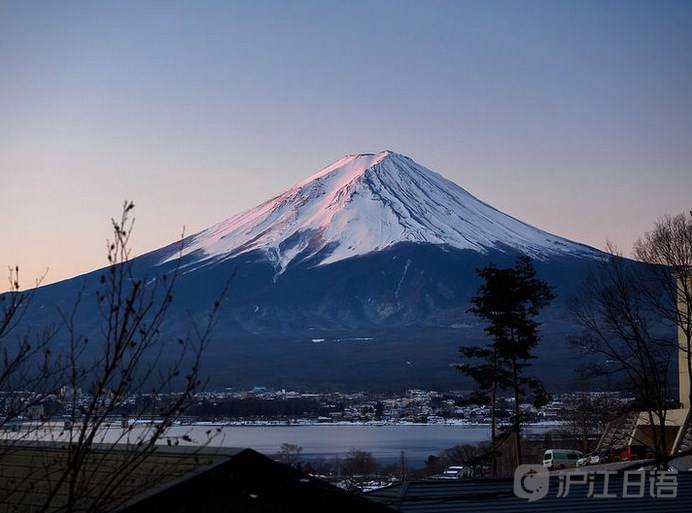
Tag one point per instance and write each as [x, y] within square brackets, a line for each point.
[508, 301]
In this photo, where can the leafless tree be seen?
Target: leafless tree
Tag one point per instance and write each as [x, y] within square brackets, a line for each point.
[625, 338]
[587, 415]
[27, 368]
[667, 249]
[357, 468]
[122, 385]
[465, 454]
[289, 454]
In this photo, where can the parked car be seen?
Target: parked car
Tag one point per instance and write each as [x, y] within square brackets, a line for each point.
[456, 472]
[588, 459]
[556, 459]
[584, 460]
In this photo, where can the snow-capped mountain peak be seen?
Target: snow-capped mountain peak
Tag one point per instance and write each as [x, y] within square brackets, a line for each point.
[365, 203]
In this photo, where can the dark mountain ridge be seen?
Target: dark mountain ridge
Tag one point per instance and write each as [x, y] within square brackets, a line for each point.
[357, 278]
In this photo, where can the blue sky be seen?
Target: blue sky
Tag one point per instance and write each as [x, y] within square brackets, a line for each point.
[574, 116]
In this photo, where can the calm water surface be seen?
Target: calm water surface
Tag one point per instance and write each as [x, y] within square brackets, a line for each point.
[385, 442]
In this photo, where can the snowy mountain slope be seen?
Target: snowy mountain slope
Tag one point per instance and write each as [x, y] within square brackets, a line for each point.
[369, 265]
[365, 203]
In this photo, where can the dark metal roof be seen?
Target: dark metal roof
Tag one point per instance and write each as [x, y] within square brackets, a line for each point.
[252, 483]
[172, 479]
[489, 495]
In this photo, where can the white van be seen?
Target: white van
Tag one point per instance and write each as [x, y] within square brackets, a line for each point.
[556, 459]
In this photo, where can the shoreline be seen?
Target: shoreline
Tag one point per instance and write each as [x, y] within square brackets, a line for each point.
[305, 422]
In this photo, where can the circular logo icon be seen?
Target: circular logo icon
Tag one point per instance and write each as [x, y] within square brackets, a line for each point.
[531, 482]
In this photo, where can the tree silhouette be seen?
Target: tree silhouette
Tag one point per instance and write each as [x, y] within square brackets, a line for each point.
[626, 338]
[121, 386]
[508, 301]
[667, 281]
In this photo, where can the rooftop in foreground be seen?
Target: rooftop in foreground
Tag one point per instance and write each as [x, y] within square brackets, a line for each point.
[172, 479]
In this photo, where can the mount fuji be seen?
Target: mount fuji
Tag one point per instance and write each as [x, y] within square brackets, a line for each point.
[358, 277]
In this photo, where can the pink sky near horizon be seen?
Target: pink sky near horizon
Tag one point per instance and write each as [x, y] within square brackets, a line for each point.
[573, 117]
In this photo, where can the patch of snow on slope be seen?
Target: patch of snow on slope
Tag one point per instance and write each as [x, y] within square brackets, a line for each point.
[403, 277]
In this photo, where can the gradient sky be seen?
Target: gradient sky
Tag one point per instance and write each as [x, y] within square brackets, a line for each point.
[574, 116]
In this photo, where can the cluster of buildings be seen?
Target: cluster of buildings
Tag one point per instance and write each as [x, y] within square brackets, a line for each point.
[413, 406]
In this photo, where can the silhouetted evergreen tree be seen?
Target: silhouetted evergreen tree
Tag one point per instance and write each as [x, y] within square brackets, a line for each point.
[508, 301]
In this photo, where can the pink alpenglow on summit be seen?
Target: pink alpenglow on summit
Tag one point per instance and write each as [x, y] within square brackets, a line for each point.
[365, 203]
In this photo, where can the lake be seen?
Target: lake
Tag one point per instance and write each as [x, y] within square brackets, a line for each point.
[385, 442]
[327, 440]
